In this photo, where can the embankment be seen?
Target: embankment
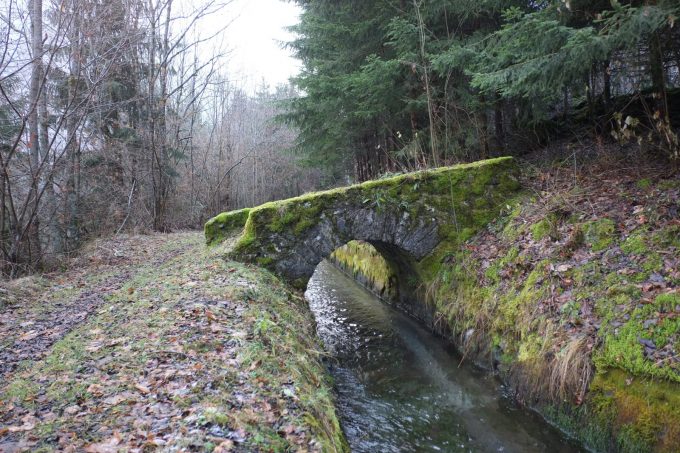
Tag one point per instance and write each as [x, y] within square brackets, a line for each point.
[572, 297]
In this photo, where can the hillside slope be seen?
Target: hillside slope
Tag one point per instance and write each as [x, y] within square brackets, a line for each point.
[573, 298]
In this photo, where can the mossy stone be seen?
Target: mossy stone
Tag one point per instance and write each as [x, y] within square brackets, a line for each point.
[599, 234]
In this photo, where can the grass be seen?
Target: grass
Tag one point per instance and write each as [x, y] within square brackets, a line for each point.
[213, 344]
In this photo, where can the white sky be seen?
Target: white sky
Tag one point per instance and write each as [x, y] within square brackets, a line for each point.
[254, 39]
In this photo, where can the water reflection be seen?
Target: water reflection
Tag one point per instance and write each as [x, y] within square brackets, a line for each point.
[401, 390]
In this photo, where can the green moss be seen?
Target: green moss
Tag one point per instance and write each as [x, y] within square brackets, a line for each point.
[666, 237]
[645, 414]
[623, 348]
[362, 261]
[636, 243]
[548, 226]
[599, 234]
[221, 226]
[644, 183]
[624, 414]
[471, 195]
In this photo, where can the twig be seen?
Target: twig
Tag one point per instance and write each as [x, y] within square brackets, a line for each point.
[134, 183]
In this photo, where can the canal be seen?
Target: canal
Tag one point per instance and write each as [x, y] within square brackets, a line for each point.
[402, 389]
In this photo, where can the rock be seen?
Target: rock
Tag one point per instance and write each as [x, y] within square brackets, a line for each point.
[657, 278]
[647, 343]
[650, 322]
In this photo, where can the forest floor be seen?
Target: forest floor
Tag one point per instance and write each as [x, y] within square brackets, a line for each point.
[158, 342]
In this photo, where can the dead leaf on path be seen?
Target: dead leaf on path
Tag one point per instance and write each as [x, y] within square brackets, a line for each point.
[117, 341]
[27, 426]
[216, 328]
[31, 334]
[143, 389]
[117, 399]
[109, 446]
[94, 346]
[72, 410]
[95, 390]
[224, 447]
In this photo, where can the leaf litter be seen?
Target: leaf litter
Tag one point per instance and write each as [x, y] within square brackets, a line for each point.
[166, 352]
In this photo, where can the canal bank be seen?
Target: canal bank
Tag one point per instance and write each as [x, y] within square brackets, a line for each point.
[571, 298]
[570, 295]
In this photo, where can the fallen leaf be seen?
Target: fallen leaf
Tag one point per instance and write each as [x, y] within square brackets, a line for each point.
[564, 267]
[143, 389]
[109, 446]
[95, 390]
[94, 346]
[27, 426]
[117, 399]
[224, 447]
[72, 410]
[31, 334]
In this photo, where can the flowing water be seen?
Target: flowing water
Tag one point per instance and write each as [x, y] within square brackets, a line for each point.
[400, 389]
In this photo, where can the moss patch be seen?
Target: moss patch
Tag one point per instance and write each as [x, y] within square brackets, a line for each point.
[366, 265]
[599, 234]
[649, 328]
[222, 226]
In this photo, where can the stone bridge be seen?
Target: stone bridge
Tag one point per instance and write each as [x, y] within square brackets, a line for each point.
[414, 220]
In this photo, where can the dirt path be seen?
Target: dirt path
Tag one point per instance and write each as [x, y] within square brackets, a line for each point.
[157, 343]
[50, 307]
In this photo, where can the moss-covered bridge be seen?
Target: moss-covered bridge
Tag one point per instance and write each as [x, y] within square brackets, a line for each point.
[415, 220]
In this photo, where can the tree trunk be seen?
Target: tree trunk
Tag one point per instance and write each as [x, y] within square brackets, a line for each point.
[54, 241]
[163, 160]
[34, 251]
[498, 124]
[658, 76]
[72, 143]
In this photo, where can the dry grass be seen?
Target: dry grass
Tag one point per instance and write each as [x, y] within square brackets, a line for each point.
[571, 371]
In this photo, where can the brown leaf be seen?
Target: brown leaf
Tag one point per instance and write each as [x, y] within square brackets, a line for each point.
[117, 399]
[216, 328]
[564, 267]
[72, 410]
[108, 446]
[27, 426]
[94, 346]
[224, 447]
[31, 334]
[143, 389]
[95, 390]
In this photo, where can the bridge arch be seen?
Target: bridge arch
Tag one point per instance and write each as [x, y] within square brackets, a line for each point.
[414, 220]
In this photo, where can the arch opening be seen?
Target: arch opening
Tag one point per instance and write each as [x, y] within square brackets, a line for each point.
[387, 271]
